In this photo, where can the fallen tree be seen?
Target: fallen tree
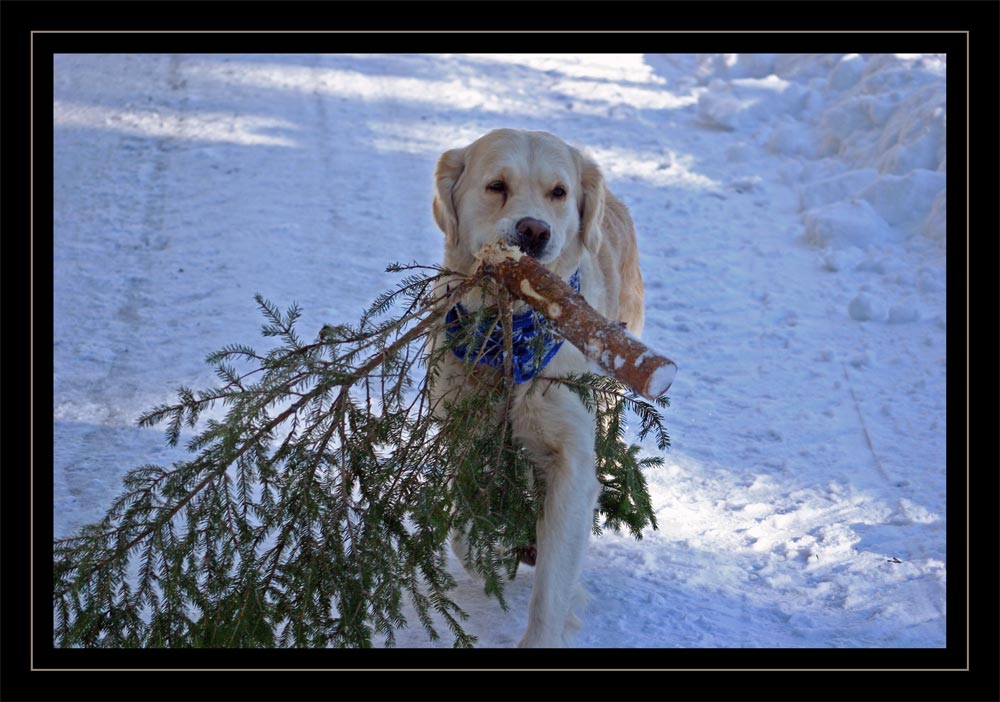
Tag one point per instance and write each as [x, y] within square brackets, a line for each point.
[327, 492]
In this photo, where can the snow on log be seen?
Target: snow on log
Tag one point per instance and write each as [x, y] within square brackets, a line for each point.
[605, 342]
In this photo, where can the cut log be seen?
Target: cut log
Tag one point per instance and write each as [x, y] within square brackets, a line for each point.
[607, 343]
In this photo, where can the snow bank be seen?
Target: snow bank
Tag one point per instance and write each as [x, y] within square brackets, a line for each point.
[871, 129]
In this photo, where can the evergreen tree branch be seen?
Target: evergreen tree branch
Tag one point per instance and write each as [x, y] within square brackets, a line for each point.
[329, 489]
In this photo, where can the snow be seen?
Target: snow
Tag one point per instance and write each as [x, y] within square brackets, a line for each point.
[862, 308]
[661, 380]
[791, 219]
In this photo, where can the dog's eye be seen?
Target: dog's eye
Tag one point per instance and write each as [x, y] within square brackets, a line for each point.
[497, 186]
[558, 192]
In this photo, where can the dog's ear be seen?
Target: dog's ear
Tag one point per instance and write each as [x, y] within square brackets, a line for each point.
[591, 203]
[449, 169]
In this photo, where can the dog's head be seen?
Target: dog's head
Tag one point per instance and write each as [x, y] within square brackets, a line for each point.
[528, 189]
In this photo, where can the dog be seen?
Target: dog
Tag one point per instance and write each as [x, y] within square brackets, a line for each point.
[532, 190]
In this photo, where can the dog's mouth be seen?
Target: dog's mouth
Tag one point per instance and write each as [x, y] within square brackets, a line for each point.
[537, 251]
[544, 252]
[534, 251]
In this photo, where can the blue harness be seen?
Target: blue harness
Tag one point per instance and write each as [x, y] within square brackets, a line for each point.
[534, 343]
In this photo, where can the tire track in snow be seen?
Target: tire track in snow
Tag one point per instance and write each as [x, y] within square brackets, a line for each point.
[139, 228]
[152, 234]
[152, 239]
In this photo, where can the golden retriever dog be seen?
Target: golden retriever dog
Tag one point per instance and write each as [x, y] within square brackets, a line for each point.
[532, 190]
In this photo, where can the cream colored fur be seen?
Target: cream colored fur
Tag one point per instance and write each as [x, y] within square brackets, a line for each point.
[592, 231]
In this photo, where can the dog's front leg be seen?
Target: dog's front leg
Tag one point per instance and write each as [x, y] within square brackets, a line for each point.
[563, 451]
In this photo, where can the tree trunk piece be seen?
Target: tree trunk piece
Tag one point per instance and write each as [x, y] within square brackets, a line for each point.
[607, 343]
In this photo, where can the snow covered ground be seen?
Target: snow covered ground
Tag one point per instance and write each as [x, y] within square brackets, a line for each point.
[790, 214]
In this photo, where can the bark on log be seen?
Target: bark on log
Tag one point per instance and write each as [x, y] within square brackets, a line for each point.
[605, 342]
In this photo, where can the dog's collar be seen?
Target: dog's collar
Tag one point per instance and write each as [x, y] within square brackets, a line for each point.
[534, 341]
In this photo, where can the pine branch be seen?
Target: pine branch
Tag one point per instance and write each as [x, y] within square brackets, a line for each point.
[327, 492]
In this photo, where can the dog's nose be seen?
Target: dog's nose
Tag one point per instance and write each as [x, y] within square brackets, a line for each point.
[532, 235]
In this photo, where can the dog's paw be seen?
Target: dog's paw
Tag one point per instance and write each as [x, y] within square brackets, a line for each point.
[528, 554]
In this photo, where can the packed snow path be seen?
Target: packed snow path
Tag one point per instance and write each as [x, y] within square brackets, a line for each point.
[790, 214]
